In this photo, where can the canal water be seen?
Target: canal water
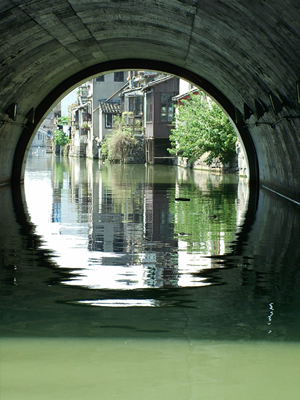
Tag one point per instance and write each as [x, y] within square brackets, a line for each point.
[142, 282]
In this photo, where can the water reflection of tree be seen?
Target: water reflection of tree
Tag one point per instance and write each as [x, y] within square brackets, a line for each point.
[192, 222]
[59, 168]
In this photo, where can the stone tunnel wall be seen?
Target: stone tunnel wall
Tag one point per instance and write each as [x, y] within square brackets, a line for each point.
[244, 54]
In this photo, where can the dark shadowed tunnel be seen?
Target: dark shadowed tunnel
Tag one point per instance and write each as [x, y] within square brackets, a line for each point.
[245, 54]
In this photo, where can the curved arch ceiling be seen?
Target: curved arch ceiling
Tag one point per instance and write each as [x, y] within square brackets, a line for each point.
[246, 52]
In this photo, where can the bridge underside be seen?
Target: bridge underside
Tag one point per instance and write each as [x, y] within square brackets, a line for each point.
[245, 54]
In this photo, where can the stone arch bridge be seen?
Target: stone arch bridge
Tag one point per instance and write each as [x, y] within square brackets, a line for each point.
[245, 54]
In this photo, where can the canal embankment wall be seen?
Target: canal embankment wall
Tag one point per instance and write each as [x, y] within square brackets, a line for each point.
[238, 164]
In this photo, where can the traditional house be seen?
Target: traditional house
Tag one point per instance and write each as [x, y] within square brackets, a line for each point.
[159, 117]
[92, 117]
[133, 92]
[40, 138]
[44, 136]
[132, 98]
[81, 121]
[106, 103]
[107, 111]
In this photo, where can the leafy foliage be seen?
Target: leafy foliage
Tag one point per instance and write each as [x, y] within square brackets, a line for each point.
[63, 120]
[201, 127]
[60, 138]
[117, 147]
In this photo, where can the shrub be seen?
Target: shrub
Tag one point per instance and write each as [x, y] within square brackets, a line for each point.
[118, 146]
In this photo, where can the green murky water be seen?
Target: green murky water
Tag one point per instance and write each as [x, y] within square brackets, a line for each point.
[146, 369]
[113, 288]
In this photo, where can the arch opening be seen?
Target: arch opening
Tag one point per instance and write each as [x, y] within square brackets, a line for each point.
[73, 81]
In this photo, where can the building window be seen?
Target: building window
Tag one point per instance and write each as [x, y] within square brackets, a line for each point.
[149, 106]
[135, 105]
[166, 107]
[119, 76]
[138, 105]
[100, 78]
[131, 103]
[108, 121]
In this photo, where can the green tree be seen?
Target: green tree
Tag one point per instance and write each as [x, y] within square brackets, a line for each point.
[63, 120]
[202, 127]
[60, 138]
[117, 146]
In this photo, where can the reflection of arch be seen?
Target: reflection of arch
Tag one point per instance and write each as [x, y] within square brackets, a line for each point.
[73, 81]
[194, 310]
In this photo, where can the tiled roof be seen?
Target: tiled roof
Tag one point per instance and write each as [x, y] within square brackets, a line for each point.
[110, 108]
[157, 81]
[195, 90]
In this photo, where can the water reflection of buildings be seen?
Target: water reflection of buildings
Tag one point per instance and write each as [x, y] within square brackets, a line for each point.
[126, 227]
[159, 229]
[133, 238]
[105, 227]
[56, 205]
